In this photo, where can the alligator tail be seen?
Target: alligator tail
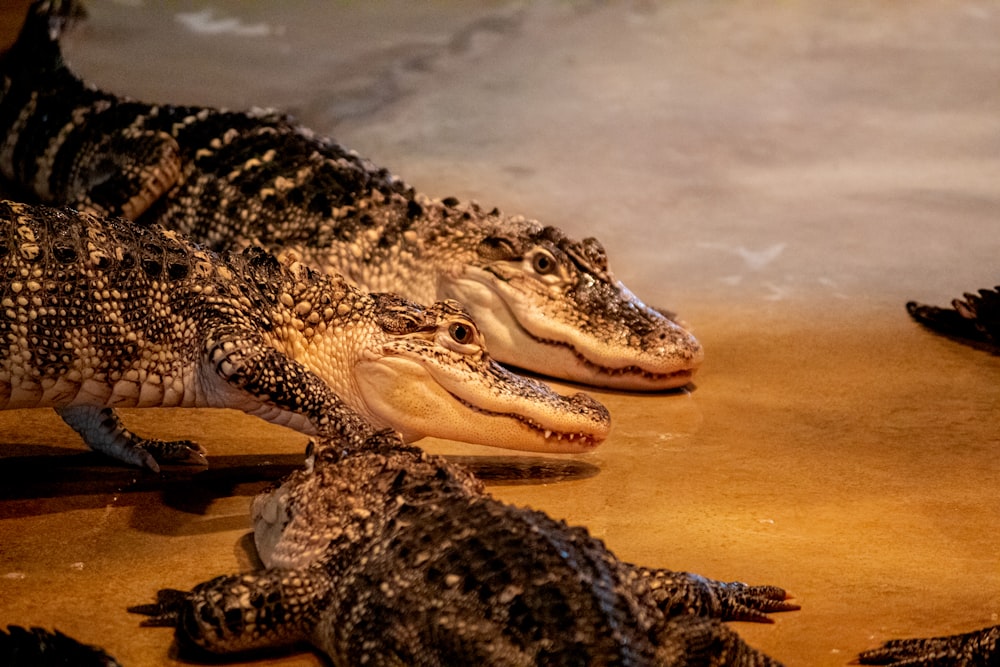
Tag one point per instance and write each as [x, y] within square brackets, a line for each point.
[37, 50]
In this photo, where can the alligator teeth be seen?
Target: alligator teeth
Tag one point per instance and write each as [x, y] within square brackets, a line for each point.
[547, 433]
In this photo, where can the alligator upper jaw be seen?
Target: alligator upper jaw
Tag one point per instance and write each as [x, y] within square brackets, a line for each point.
[620, 369]
[489, 407]
[526, 337]
[653, 365]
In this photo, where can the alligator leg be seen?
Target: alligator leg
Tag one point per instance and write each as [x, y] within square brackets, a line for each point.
[282, 389]
[121, 173]
[279, 390]
[687, 641]
[242, 612]
[103, 431]
[980, 647]
[692, 594]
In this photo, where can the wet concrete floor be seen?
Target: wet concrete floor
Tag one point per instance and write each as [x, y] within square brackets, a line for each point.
[786, 178]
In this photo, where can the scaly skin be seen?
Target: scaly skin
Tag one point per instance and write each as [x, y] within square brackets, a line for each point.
[380, 551]
[974, 319]
[36, 647]
[99, 313]
[980, 648]
[231, 179]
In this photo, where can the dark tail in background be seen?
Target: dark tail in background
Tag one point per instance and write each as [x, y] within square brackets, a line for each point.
[36, 50]
[974, 319]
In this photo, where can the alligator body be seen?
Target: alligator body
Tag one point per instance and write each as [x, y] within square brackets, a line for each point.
[974, 319]
[972, 649]
[100, 313]
[230, 179]
[382, 554]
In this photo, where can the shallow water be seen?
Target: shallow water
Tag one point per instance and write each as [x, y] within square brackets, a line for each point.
[785, 179]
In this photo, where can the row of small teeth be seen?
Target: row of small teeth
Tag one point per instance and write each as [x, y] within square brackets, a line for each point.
[548, 433]
[562, 436]
[604, 370]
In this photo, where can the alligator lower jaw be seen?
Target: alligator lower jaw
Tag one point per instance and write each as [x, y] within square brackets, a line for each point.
[578, 441]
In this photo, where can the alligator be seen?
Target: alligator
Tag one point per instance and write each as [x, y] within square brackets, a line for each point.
[970, 649]
[37, 647]
[546, 303]
[379, 553]
[973, 319]
[98, 313]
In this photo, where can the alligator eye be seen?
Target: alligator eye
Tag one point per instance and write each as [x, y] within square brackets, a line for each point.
[461, 333]
[543, 263]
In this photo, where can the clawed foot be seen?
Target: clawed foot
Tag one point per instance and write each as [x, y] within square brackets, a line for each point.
[741, 602]
[689, 593]
[179, 452]
[981, 647]
[165, 612]
[102, 429]
[975, 318]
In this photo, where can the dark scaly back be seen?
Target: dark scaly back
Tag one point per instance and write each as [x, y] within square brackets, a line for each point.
[69, 143]
[566, 603]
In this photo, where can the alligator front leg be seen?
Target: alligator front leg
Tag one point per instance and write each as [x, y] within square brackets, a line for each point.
[692, 594]
[242, 612]
[122, 173]
[280, 390]
[980, 647]
[103, 431]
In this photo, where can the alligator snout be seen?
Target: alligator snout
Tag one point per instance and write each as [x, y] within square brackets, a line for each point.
[584, 404]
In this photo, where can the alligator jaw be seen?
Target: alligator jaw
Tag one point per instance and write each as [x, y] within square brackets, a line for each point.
[481, 403]
[630, 378]
[606, 353]
[539, 438]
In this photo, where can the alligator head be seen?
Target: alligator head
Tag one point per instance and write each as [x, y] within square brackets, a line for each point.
[551, 305]
[432, 375]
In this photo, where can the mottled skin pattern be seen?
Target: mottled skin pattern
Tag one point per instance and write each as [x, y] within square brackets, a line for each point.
[36, 647]
[99, 313]
[980, 648]
[974, 319]
[382, 553]
[231, 179]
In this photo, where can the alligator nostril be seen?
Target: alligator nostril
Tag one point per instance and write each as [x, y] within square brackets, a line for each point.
[588, 402]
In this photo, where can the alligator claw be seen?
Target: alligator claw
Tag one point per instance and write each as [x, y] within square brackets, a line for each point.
[980, 647]
[742, 602]
[974, 319]
[165, 612]
[181, 452]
